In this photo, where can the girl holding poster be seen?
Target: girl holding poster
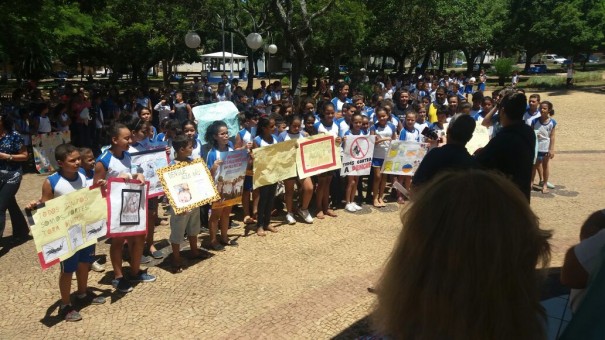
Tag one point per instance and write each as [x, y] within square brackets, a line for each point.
[384, 132]
[352, 180]
[265, 137]
[217, 136]
[326, 125]
[305, 185]
[115, 162]
[244, 138]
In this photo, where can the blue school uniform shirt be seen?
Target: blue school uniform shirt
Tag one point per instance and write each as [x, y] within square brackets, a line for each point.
[329, 129]
[338, 104]
[543, 133]
[410, 135]
[114, 165]
[247, 135]
[160, 137]
[215, 154]
[343, 126]
[89, 176]
[478, 115]
[387, 131]
[392, 119]
[61, 185]
[261, 142]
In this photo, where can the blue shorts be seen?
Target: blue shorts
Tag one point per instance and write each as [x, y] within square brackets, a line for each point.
[541, 156]
[84, 255]
[481, 87]
[377, 162]
[248, 183]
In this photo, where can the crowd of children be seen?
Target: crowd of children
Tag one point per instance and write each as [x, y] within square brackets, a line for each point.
[415, 109]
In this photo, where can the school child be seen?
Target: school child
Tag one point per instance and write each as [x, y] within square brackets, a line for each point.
[326, 125]
[68, 179]
[115, 162]
[515, 79]
[410, 133]
[468, 87]
[145, 115]
[217, 137]
[245, 138]
[365, 124]
[305, 185]
[421, 121]
[187, 222]
[309, 122]
[41, 122]
[342, 97]
[265, 137]
[533, 109]
[384, 132]
[482, 81]
[189, 128]
[352, 180]
[477, 99]
[544, 126]
[465, 108]
[361, 107]
[162, 134]
[164, 110]
[442, 120]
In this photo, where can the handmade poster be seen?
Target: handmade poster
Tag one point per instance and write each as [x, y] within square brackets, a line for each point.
[229, 178]
[126, 207]
[188, 185]
[225, 111]
[404, 157]
[316, 155]
[274, 163]
[357, 155]
[68, 223]
[44, 149]
[480, 139]
[147, 163]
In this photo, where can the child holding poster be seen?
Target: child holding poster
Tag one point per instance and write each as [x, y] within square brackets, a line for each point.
[188, 222]
[352, 180]
[326, 125]
[245, 138]
[266, 198]
[217, 136]
[115, 162]
[305, 185]
[412, 134]
[384, 132]
[69, 179]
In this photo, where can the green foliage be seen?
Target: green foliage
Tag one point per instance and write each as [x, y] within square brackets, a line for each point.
[548, 82]
[503, 67]
[285, 80]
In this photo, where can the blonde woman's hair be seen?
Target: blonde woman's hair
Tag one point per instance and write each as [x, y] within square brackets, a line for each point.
[464, 266]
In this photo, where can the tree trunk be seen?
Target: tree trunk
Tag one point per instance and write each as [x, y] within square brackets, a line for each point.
[483, 54]
[165, 73]
[250, 69]
[384, 60]
[441, 61]
[425, 62]
[528, 55]
[297, 69]
[335, 70]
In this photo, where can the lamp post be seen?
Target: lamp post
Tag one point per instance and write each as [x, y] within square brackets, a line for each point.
[270, 50]
[254, 42]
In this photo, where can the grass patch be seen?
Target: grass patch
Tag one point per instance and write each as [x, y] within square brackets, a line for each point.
[556, 81]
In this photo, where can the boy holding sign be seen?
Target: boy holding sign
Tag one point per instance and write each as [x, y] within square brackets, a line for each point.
[69, 179]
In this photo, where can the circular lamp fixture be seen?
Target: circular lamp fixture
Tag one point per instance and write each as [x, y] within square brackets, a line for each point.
[254, 41]
[272, 49]
[192, 39]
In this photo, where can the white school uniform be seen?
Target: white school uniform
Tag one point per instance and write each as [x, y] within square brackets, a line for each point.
[61, 186]
[543, 132]
[114, 165]
[387, 131]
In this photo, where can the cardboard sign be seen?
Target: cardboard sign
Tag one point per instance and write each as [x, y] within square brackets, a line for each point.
[274, 163]
[357, 156]
[126, 207]
[404, 157]
[229, 178]
[147, 163]
[316, 155]
[68, 223]
[207, 114]
[188, 185]
[44, 149]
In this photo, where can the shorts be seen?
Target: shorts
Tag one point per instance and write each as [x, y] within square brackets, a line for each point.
[377, 162]
[541, 156]
[84, 255]
[481, 87]
[248, 183]
[184, 223]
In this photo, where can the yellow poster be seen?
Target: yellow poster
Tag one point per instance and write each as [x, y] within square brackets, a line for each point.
[480, 139]
[316, 155]
[67, 224]
[274, 163]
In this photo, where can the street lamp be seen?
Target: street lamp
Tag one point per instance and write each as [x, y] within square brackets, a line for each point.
[270, 49]
[192, 39]
[254, 41]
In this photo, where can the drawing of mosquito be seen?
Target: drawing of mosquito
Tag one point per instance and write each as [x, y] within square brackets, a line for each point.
[54, 250]
[94, 231]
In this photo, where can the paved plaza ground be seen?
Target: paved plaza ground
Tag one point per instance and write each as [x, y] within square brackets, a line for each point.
[305, 282]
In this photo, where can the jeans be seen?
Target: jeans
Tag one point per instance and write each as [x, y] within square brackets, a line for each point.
[9, 185]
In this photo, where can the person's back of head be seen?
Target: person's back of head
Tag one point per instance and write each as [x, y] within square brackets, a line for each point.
[461, 128]
[464, 266]
[514, 105]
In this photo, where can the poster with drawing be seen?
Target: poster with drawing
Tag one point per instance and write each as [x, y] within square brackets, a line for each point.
[126, 207]
[404, 157]
[44, 149]
[357, 155]
[147, 163]
[316, 155]
[229, 178]
[68, 223]
[188, 185]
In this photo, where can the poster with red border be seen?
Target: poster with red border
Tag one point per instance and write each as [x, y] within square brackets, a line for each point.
[126, 207]
[357, 155]
[316, 155]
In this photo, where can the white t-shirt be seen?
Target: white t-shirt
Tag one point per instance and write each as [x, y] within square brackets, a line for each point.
[588, 253]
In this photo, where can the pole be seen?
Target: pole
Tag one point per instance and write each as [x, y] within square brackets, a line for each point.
[231, 73]
[223, 29]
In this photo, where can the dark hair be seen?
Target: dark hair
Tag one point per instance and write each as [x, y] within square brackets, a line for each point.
[356, 114]
[63, 150]
[7, 122]
[514, 105]
[188, 122]
[212, 130]
[114, 129]
[466, 105]
[461, 128]
[309, 115]
[143, 108]
[323, 108]
[487, 99]
[132, 122]
[85, 151]
[180, 141]
[477, 97]
[263, 123]
[291, 118]
[173, 125]
[551, 111]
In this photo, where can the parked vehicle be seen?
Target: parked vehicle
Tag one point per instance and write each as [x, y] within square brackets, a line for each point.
[552, 59]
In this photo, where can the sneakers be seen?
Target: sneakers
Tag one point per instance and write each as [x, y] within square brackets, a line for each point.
[145, 259]
[290, 218]
[90, 299]
[69, 313]
[350, 207]
[304, 213]
[356, 206]
[122, 285]
[142, 276]
[97, 267]
[548, 185]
